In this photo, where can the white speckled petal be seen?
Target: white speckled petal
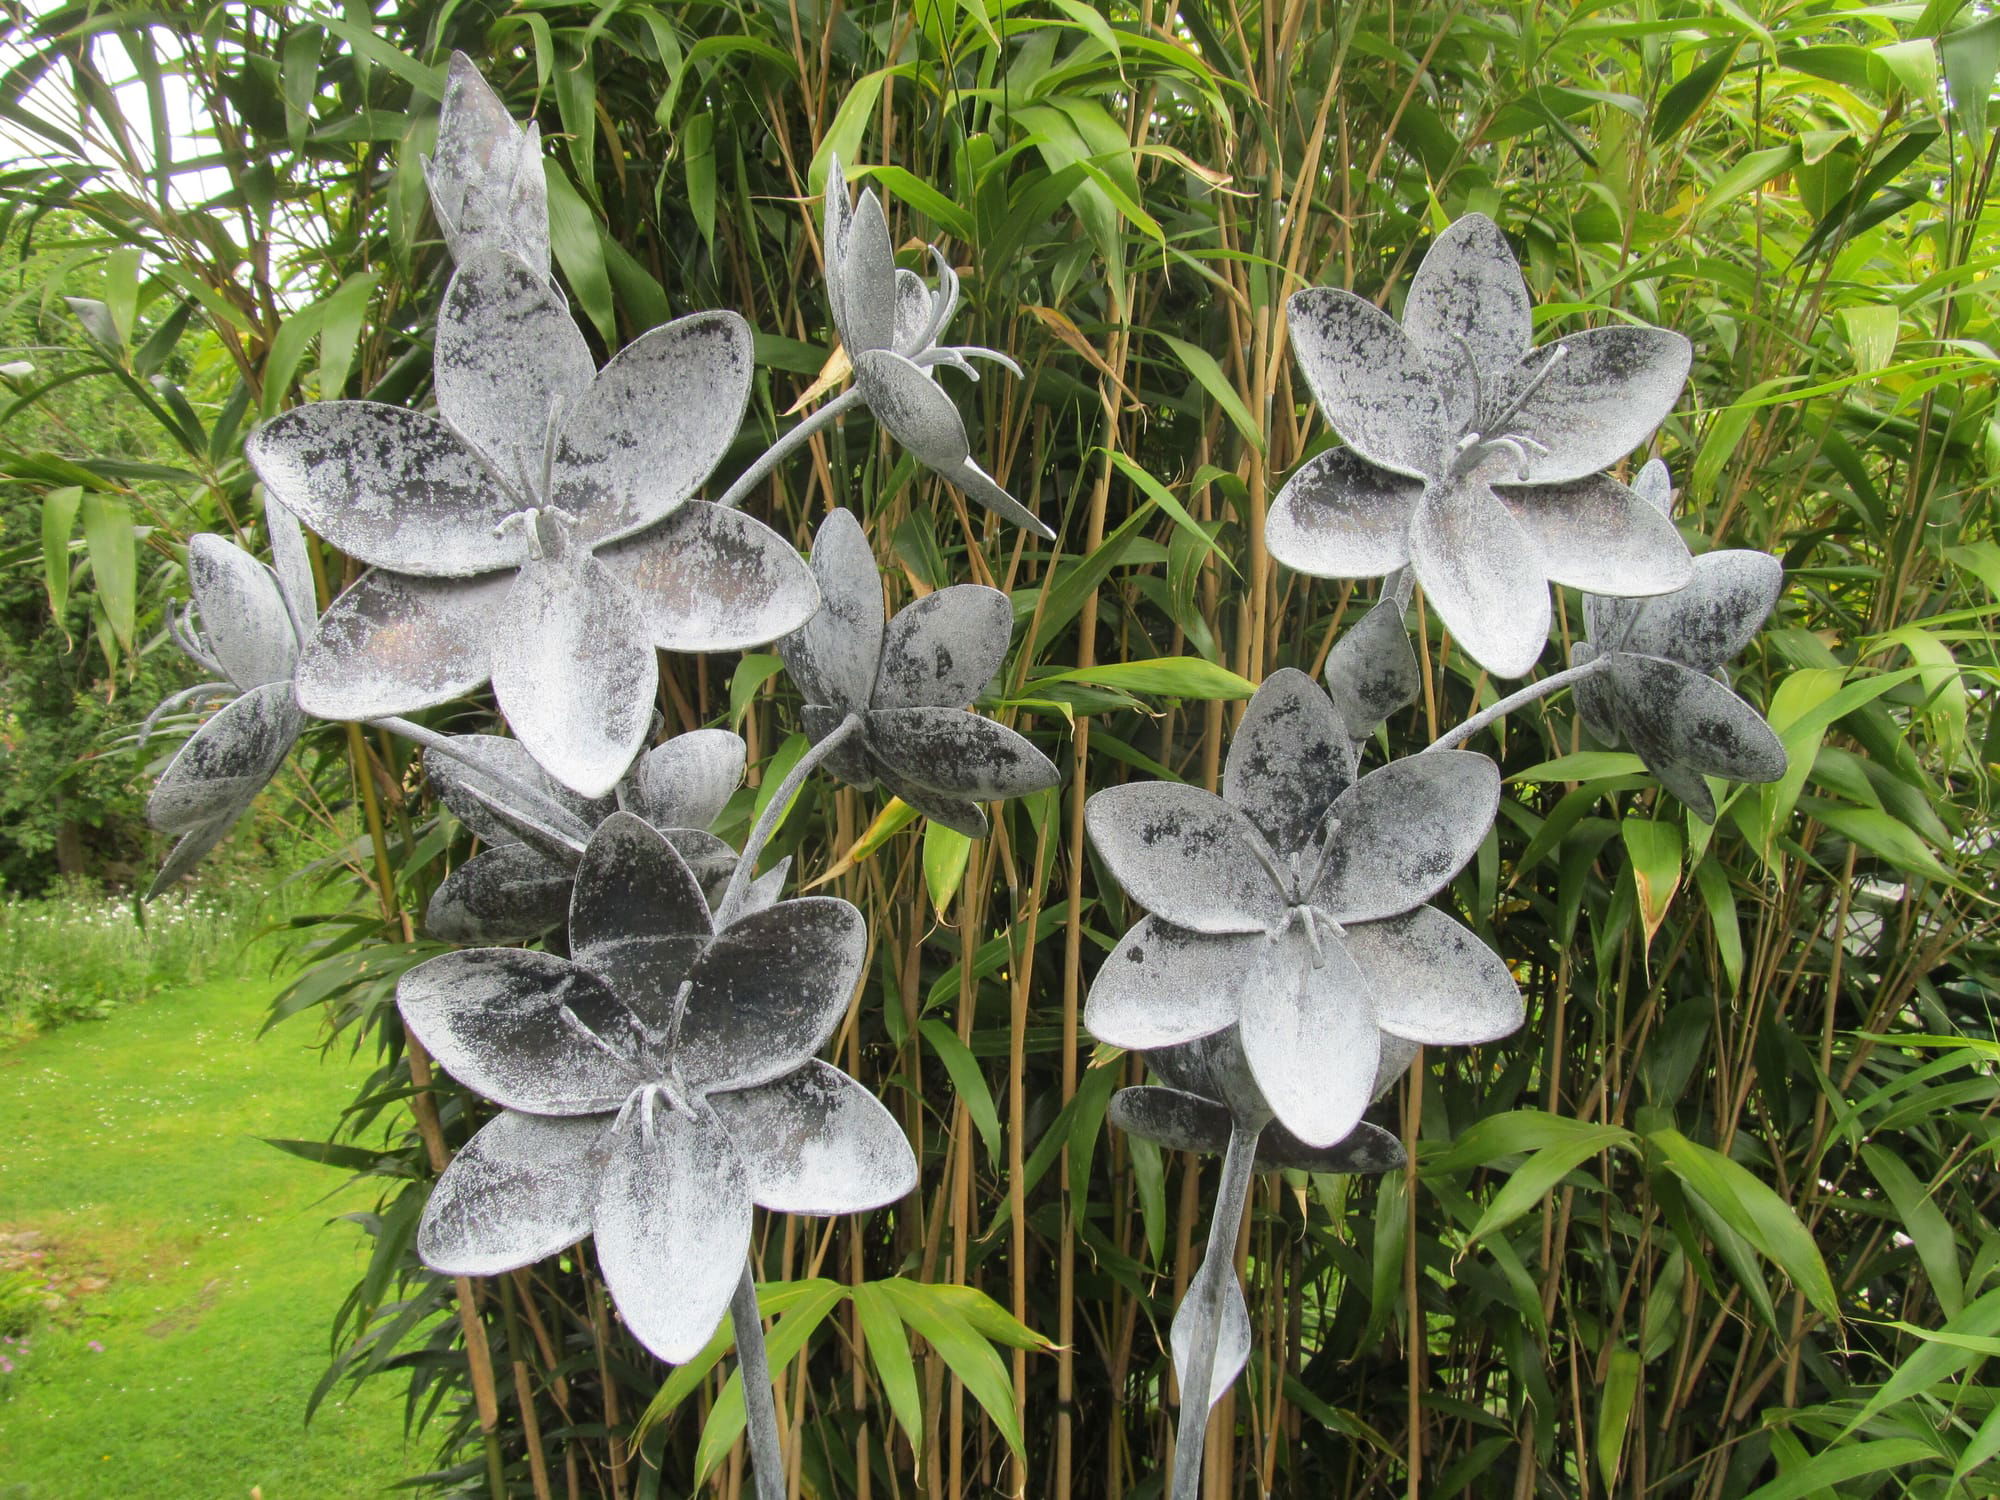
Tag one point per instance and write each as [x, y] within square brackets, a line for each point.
[481, 804]
[1483, 576]
[836, 219]
[391, 645]
[503, 895]
[711, 579]
[1611, 387]
[1185, 855]
[1374, 385]
[1434, 981]
[519, 1190]
[1403, 831]
[1675, 716]
[954, 813]
[1468, 300]
[485, 176]
[290, 561]
[942, 650]
[817, 1142]
[915, 307]
[1597, 535]
[958, 754]
[686, 782]
[1232, 1340]
[652, 425]
[1595, 698]
[1365, 1150]
[509, 357]
[833, 656]
[637, 916]
[189, 851]
[1654, 485]
[1714, 617]
[243, 614]
[983, 488]
[914, 408]
[1290, 758]
[1163, 985]
[769, 991]
[218, 773]
[577, 677]
[1312, 1042]
[672, 1225]
[868, 281]
[1339, 516]
[511, 1022]
[1372, 669]
[393, 487]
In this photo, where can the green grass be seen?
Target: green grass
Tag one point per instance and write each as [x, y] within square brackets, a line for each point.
[198, 1267]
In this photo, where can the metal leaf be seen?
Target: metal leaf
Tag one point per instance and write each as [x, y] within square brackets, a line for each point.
[947, 811]
[1714, 617]
[711, 860]
[958, 754]
[1181, 1121]
[1366, 1151]
[1594, 698]
[1482, 575]
[1290, 758]
[1214, 1067]
[227, 761]
[686, 782]
[1374, 385]
[1654, 485]
[1674, 715]
[1232, 1341]
[528, 1030]
[1372, 669]
[1340, 516]
[545, 830]
[1163, 985]
[521, 1189]
[915, 312]
[503, 895]
[393, 487]
[483, 804]
[817, 1142]
[1595, 534]
[711, 579]
[833, 656]
[914, 408]
[189, 851]
[868, 280]
[769, 991]
[1434, 982]
[848, 761]
[983, 488]
[577, 677]
[652, 425]
[1403, 830]
[292, 563]
[837, 219]
[485, 176]
[1604, 394]
[243, 613]
[637, 917]
[1313, 1045]
[1185, 855]
[942, 650]
[1468, 301]
[763, 892]
[672, 1226]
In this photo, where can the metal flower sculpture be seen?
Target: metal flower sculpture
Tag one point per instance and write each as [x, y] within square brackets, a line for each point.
[655, 1086]
[245, 625]
[1471, 457]
[535, 830]
[888, 703]
[1659, 684]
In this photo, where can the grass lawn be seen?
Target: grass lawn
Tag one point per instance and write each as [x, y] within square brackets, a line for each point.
[203, 1269]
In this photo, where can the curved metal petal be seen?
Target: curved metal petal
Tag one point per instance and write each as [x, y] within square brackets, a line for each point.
[1403, 830]
[509, 357]
[218, 773]
[1397, 1055]
[1374, 385]
[686, 782]
[393, 487]
[769, 991]
[982, 487]
[914, 408]
[484, 805]
[763, 892]
[1482, 575]
[652, 425]
[1290, 758]
[528, 1030]
[672, 1225]
[1434, 982]
[243, 614]
[1372, 670]
[915, 308]
[1468, 301]
[1675, 715]
[189, 851]
[1595, 699]
[292, 564]
[485, 176]
[1185, 855]
[817, 1142]
[837, 217]
[1654, 485]
[1163, 985]
[942, 651]
[577, 677]
[833, 656]
[712, 860]
[1609, 389]
[948, 812]
[1366, 1151]
[1232, 1341]
[1340, 516]
[391, 645]
[1714, 617]
[958, 753]
[1312, 1042]
[503, 895]
[1172, 1118]
[1213, 1067]
[637, 917]
[1688, 785]
[868, 280]
[1595, 534]
[519, 1190]
[848, 761]
[712, 579]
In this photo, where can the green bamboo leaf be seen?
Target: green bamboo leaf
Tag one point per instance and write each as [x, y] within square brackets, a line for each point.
[800, 1319]
[1166, 676]
[889, 1352]
[1540, 1175]
[754, 670]
[114, 562]
[968, 1355]
[946, 853]
[969, 1082]
[342, 314]
[1711, 877]
[1202, 365]
[1819, 1474]
[1925, 1223]
[578, 247]
[848, 129]
[1585, 765]
[59, 509]
[1654, 849]
[1971, 57]
[1614, 1414]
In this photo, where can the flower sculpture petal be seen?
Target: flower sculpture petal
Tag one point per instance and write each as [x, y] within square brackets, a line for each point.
[485, 176]
[1293, 906]
[1473, 458]
[910, 682]
[1662, 688]
[889, 323]
[654, 1086]
[539, 532]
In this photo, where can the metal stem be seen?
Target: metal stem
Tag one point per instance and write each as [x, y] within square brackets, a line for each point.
[1218, 1262]
[760, 1412]
[1455, 737]
[538, 800]
[746, 866]
[774, 455]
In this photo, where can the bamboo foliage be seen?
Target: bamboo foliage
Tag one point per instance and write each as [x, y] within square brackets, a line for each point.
[1716, 1222]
